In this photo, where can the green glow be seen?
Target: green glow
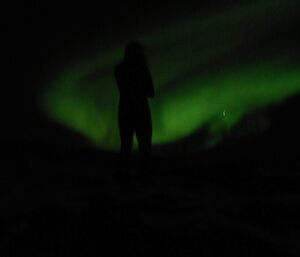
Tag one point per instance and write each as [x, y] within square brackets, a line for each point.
[200, 75]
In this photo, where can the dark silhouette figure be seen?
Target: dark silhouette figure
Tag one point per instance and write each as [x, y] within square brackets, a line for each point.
[135, 87]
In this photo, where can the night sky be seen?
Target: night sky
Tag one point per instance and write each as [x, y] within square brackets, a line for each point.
[238, 41]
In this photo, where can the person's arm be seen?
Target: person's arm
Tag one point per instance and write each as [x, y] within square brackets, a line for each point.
[121, 80]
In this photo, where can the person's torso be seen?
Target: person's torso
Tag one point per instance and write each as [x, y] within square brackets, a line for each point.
[132, 81]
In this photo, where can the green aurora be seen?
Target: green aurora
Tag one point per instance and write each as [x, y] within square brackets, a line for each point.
[208, 71]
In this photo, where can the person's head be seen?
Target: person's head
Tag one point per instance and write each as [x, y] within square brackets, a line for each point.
[135, 52]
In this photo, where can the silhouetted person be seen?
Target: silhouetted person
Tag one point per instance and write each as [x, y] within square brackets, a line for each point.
[135, 87]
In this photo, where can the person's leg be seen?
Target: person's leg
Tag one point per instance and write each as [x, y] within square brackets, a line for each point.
[126, 136]
[143, 127]
[144, 137]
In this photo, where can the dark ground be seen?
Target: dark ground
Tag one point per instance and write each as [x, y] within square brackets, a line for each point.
[65, 202]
